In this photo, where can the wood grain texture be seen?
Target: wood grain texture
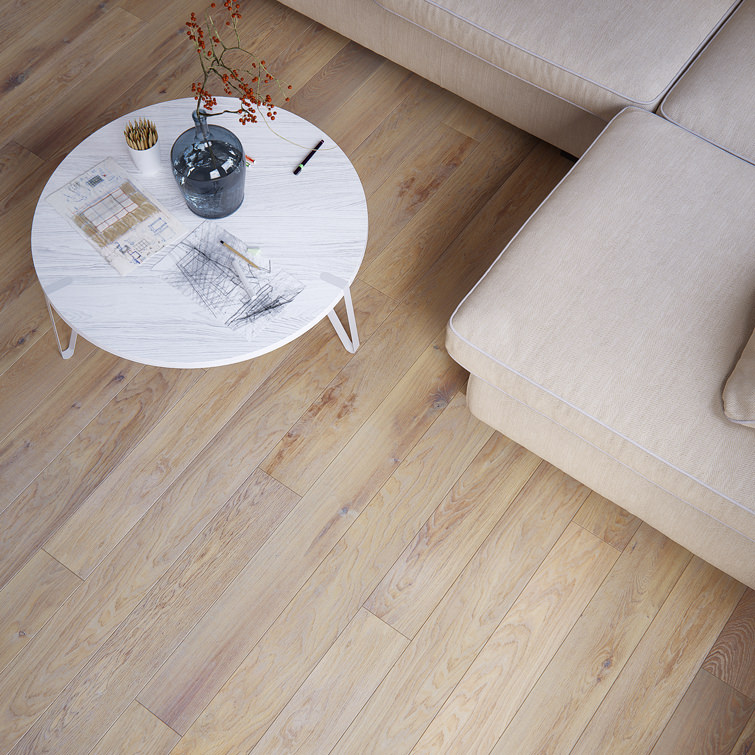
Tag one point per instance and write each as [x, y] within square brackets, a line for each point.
[498, 680]
[732, 657]
[56, 493]
[354, 394]
[301, 634]
[709, 718]
[745, 745]
[250, 606]
[598, 646]
[343, 681]
[123, 498]
[335, 81]
[55, 74]
[355, 119]
[71, 118]
[407, 190]
[16, 163]
[88, 706]
[644, 697]
[137, 732]
[16, 214]
[401, 134]
[25, 321]
[421, 241]
[432, 562]
[426, 673]
[608, 521]
[30, 599]
[33, 377]
[57, 420]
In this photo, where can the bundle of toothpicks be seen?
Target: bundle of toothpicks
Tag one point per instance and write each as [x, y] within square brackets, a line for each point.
[141, 135]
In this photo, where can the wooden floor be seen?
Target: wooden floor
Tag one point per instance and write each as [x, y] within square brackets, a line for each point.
[317, 552]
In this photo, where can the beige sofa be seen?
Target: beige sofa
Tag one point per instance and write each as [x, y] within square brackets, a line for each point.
[604, 335]
[560, 71]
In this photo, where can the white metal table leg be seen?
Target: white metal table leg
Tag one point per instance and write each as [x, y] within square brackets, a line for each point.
[349, 340]
[66, 353]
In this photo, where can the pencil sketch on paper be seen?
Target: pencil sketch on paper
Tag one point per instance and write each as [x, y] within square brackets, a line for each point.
[210, 266]
[118, 219]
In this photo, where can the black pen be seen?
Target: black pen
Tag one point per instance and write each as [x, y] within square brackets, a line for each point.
[298, 168]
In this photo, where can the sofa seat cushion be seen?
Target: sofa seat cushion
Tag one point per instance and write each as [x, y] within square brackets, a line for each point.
[598, 55]
[715, 98]
[622, 305]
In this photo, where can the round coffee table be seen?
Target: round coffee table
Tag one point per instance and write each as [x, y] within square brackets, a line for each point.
[312, 225]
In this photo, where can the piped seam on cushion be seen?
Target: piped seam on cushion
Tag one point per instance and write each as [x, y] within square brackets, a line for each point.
[630, 100]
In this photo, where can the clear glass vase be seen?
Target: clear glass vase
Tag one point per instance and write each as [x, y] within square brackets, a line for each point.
[210, 168]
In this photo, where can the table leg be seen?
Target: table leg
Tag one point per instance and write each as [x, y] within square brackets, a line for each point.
[350, 341]
[66, 353]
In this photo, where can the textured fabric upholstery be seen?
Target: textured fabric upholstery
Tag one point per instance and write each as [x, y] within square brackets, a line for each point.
[621, 306]
[716, 97]
[601, 56]
[513, 99]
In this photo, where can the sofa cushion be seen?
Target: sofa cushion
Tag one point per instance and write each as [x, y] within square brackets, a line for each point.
[621, 306]
[739, 392]
[715, 98]
[598, 55]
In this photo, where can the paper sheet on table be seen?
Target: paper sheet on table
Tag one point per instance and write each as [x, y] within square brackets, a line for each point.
[120, 221]
[236, 293]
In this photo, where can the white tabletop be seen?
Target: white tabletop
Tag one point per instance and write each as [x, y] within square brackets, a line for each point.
[312, 225]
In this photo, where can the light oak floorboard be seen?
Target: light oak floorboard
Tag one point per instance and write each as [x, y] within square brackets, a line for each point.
[57, 420]
[746, 741]
[343, 681]
[53, 80]
[447, 541]
[439, 656]
[33, 377]
[644, 697]
[401, 134]
[30, 599]
[63, 485]
[137, 732]
[732, 657]
[598, 646]
[403, 194]
[608, 521]
[356, 118]
[496, 683]
[16, 214]
[418, 244]
[25, 321]
[302, 633]
[105, 517]
[16, 163]
[709, 718]
[335, 82]
[90, 703]
[267, 585]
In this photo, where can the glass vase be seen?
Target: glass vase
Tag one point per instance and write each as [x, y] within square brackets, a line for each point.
[210, 168]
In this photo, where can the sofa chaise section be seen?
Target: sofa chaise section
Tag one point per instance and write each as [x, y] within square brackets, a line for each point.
[602, 336]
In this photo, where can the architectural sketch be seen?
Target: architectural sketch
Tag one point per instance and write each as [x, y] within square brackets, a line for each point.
[241, 295]
[116, 217]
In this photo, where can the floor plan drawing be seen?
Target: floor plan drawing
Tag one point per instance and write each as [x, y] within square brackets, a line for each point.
[117, 218]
